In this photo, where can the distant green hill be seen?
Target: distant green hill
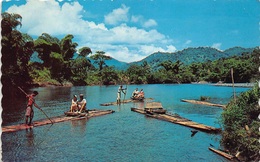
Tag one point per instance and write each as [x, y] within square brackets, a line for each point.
[186, 56]
[191, 55]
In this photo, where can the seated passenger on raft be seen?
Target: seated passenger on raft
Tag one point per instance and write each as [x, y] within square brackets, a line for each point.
[74, 104]
[82, 104]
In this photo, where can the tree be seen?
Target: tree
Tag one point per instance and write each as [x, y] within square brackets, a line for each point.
[56, 55]
[172, 70]
[16, 51]
[137, 74]
[109, 76]
[44, 45]
[80, 65]
[100, 58]
[68, 48]
[84, 51]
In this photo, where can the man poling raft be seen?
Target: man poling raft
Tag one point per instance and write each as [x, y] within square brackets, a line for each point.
[29, 110]
[120, 89]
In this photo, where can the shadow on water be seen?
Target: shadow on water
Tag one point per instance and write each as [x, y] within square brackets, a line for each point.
[14, 106]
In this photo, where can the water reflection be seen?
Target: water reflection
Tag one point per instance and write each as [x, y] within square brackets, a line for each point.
[30, 137]
[139, 105]
[81, 124]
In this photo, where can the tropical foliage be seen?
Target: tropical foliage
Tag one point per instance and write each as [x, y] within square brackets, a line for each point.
[17, 49]
[241, 125]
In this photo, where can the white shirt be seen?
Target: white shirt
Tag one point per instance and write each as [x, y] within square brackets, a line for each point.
[82, 102]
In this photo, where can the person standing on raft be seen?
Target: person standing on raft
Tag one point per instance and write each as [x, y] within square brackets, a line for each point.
[120, 89]
[29, 110]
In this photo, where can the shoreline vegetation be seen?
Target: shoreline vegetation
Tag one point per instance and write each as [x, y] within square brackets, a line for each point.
[246, 85]
[241, 125]
[61, 64]
[69, 84]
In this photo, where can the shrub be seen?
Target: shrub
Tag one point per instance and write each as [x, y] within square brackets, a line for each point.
[241, 123]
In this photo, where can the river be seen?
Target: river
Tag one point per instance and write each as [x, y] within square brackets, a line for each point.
[121, 136]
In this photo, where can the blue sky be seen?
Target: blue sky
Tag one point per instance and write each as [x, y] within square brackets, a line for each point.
[130, 30]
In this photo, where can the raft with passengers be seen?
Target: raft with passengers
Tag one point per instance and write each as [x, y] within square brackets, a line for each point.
[78, 111]
[137, 96]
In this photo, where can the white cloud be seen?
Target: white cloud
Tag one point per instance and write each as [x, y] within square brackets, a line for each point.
[50, 18]
[188, 42]
[144, 23]
[136, 19]
[133, 35]
[117, 16]
[122, 42]
[148, 49]
[216, 45]
[150, 23]
[171, 48]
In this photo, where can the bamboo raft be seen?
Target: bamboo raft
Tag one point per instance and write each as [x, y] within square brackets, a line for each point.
[203, 103]
[125, 101]
[62, 118]
[226, 155]
[154, 107]
[176, 119]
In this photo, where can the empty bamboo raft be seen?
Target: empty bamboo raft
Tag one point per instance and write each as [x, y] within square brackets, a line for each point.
[203, 103]
[179, 120]
[62, 118]
[154, 107]
[226, 155]
[125, 101]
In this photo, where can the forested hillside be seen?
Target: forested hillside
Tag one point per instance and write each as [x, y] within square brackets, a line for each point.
[186, 56]
[194, 55]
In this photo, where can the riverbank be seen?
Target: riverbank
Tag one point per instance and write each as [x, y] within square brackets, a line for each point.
[246, 85]
[52, 84]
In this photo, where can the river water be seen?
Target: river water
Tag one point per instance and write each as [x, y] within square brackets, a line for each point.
[121, 136]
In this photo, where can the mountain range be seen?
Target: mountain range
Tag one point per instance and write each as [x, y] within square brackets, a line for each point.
[186, 56]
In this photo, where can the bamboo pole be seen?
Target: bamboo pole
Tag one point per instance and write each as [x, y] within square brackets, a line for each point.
[35, 106]
[232, 76]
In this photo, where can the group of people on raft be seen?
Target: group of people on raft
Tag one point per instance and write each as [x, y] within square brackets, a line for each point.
[136, 95]
[76, 105]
